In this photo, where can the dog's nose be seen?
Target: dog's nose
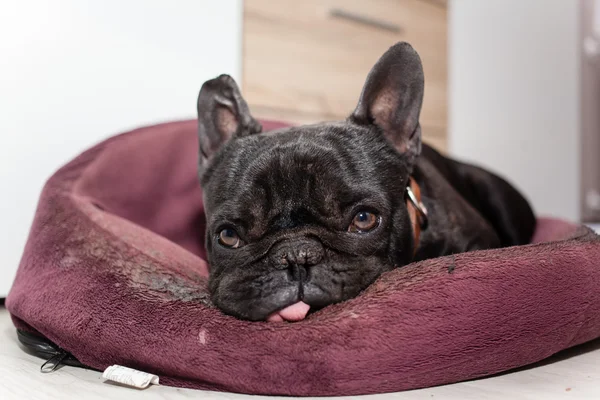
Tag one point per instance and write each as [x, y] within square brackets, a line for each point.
[298, 254]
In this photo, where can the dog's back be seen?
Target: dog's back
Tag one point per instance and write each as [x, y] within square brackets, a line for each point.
[497, 201]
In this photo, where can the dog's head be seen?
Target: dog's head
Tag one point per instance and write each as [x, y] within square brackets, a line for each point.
[311, 215]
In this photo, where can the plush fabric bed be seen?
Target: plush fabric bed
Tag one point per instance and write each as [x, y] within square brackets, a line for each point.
[114, 273]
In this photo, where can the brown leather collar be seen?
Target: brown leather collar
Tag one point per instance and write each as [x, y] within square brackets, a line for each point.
[416, 211]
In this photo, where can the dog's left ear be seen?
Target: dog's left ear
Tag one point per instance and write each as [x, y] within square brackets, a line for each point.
[392, 98]
[222, 116]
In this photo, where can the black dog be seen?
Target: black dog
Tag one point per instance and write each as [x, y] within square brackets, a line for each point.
[308, 216]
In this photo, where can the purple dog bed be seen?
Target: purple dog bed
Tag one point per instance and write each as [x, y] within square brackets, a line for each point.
[114, 273]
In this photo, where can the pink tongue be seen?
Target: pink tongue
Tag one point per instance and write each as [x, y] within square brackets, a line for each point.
[295, 312]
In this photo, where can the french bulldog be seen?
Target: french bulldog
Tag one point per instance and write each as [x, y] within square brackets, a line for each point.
[304, 217]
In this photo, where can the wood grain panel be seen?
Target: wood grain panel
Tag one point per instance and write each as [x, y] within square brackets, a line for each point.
[300, 60]
[297, 56]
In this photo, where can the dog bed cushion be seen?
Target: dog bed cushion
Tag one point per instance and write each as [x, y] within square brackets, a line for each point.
[114, 272]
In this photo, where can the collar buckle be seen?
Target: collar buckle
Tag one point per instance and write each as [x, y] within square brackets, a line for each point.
[418, 204]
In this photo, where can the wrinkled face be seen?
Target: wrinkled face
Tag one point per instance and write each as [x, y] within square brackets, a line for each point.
[309, 216]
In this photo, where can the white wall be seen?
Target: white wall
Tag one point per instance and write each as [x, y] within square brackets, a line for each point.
[514, 95]
[73, 72]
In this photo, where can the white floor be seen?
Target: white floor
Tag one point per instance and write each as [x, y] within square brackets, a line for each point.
[595, 227]
[574, 374]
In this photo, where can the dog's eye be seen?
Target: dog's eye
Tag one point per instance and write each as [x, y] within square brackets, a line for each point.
[364, 221]
[229, 238]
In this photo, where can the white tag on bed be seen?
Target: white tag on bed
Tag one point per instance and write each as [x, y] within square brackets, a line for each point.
[129, 376]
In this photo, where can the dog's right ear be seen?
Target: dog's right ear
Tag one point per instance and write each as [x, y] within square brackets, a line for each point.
[222, 115]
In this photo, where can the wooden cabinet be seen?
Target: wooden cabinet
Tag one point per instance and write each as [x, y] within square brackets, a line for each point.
[306, 61]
